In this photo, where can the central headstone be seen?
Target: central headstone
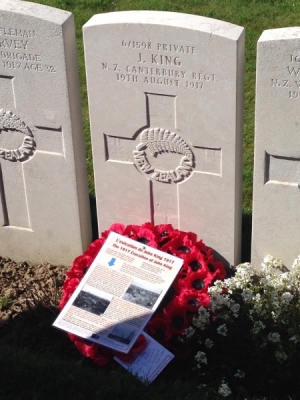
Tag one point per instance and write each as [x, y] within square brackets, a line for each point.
[44, 205]
[166, 107]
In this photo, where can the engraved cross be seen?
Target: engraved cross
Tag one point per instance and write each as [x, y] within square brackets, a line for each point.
[18, 145]
[164, 156]
[282, 170]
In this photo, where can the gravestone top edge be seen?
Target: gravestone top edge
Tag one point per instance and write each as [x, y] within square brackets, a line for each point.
[280, 34]
[167, 18]
[39, 11]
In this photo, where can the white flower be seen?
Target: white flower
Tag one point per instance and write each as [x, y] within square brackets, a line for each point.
[239, 374]
[218, 301]
[203, 313]
[296, 264]
[274, 337]
[202, 319]
[201, 386]
[234, 307]
[218, 285]
[286, 297]
[198, 323]
[209, 343]
[280, 355]
[247, 294]
[266, 296]
[224, 389]
[257, 327]
[215, 289]
[259, 309]
[222, 330]
[243, 276]
[257, 298]
[271, 263]
[189, 332]
[294, 339]
[201, 357]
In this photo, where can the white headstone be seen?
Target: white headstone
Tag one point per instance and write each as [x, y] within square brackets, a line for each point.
[44, 209]
[276, 194]
[166, 108]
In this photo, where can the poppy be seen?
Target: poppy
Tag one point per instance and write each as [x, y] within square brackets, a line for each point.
[175, 315]
[92, 350]
[192, 300]
[118, 228]
[190, 286]
[159, 329]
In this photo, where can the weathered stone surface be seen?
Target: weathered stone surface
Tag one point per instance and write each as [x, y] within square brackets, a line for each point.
[276, 197]
[166, 108]
[44, 209]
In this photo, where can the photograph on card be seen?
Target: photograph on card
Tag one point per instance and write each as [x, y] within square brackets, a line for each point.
[142, 293]
[93, 301]
[122, 333]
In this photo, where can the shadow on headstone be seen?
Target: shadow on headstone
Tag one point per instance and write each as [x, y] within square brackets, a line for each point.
[95, 232]
[246, 237]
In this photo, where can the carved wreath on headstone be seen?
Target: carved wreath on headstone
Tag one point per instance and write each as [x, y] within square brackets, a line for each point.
[11, 122]
[157, 141]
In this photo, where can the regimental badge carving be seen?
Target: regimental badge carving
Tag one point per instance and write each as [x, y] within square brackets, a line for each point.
[158, 141]
[11, 122]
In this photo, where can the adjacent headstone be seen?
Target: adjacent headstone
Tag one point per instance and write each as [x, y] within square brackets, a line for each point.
[276, 197]
[166, 107]
[44, 213]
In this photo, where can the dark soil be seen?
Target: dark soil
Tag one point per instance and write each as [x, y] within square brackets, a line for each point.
[23, 286]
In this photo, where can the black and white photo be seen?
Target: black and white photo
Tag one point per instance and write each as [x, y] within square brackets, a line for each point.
[87, 300]
[142, 294]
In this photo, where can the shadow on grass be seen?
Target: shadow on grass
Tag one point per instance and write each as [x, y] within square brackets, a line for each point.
[38, 361]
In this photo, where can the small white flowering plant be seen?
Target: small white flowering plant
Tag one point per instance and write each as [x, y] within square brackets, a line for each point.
[247, 341]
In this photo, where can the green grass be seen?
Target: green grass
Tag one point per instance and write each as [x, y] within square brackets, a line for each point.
[5, 302]
[39, 362]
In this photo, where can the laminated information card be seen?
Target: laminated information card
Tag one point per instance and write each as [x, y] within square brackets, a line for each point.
[119, 293]
[149, 364]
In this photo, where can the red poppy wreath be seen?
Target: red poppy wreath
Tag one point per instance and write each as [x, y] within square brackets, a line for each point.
[188, 292]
